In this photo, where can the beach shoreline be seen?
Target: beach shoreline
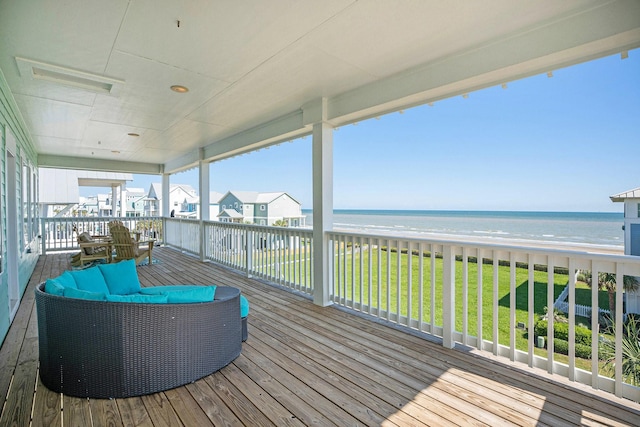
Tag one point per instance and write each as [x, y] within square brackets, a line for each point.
[499, 241]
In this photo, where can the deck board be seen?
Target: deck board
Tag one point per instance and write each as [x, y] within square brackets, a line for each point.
[307, 365]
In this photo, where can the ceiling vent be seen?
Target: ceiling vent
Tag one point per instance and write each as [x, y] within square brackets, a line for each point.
[66, 76]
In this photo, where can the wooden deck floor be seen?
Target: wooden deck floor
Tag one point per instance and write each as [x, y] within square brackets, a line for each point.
[306, 365]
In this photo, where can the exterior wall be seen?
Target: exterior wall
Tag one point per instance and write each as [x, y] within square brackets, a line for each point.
[283, 207]
[262, 215]
[14, 138]
[631, 217]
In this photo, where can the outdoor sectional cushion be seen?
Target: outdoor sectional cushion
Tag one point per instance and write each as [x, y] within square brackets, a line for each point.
[182, 294]
[53, 286]
[121, 277]
[90, 280]
[139, 298]
[87, 295]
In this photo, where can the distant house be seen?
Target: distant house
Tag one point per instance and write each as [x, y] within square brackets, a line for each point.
[180, 195]
[260, 208]
[631, 201]
[135, 201]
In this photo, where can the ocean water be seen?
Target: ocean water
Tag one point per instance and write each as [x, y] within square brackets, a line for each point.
[581, 228]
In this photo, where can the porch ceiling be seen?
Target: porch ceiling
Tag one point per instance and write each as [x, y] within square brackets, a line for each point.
[256, 70]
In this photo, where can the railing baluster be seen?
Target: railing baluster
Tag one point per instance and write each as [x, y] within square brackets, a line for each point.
[572, 320]
[465, 296]
[530, 308]
[512, 306]
[550, 312]
[480, 263]
[495, 303]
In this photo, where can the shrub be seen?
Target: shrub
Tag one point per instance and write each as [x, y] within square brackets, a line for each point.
[561, 331]
[562, 347]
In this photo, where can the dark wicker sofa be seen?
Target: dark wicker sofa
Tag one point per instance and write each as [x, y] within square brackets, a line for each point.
[105, 349]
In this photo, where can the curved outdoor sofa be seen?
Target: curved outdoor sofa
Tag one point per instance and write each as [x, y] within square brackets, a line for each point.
[104, 349]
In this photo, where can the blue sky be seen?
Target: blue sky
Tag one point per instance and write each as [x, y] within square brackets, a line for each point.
[564, 143]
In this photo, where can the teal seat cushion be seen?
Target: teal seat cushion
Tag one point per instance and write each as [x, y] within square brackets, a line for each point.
[121, 277]
[66, 280]
[80, 294]
[139, 298]
[182, 294]
[244, 306]
[52, 286]
[90, 280]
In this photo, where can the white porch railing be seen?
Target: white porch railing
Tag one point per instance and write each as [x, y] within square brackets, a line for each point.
[183, 234]
[58, 235]
[277, 254]
[432, 286]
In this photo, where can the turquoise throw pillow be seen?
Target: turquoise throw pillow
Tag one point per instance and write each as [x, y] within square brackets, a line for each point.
[67, 280]
[80, 294]
[53, 287]
[183, 294]
[138, 298]
[90, 280]
[244, 306]
[121, 277]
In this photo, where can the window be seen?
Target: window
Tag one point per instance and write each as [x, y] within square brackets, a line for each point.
[263, 207]
[638, 210]
[235, 205]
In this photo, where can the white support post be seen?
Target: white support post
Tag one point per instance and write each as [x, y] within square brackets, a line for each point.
[322, 211]
[203, 182]
[123, 201]
[114, 201]
[165, 206]
[448, 296]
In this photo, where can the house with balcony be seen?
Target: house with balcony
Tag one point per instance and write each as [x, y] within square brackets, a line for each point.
[252, 207]
[159, 88]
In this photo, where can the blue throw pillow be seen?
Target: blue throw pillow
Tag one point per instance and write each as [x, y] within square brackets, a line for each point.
[66, 280]
[53, 287]
[80, 294]
[183, 294]
[138, 298]
[90, 280]
[121, 277]
[244, 306]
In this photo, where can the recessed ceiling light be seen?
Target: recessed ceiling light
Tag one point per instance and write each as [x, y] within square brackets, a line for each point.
[133, 134]
[179, 88]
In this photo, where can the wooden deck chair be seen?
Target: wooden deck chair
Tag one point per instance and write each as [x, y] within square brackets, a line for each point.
[92, 248]
[126, 246]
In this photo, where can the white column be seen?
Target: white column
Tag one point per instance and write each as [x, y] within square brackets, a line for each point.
[322, 154]
[114, 201]
[165, 208]
[203, 169]
[123, 201]
[203, 178]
